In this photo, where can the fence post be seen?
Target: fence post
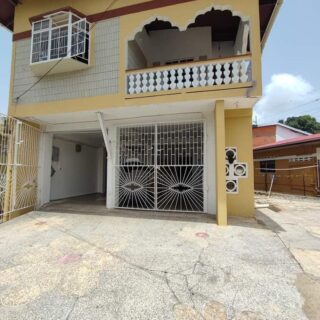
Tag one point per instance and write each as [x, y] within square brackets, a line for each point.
[271, 185]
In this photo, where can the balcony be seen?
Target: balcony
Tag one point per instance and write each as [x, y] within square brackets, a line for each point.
[213, 52]
[212, 74]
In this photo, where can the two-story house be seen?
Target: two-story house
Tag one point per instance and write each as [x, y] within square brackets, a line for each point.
[148, 102]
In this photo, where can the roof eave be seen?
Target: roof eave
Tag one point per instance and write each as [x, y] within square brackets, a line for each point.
[271, 23]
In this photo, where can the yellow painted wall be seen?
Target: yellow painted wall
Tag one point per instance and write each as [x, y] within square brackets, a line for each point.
[220, 135]
[32, 8]
[238, 126]
[180, 15]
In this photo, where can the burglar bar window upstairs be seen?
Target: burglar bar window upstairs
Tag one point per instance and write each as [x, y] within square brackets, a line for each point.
[60, 35]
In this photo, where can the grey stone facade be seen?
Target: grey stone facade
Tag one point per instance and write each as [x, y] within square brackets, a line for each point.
[99, 79]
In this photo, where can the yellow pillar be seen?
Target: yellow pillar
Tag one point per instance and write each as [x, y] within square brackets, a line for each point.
[222, 218]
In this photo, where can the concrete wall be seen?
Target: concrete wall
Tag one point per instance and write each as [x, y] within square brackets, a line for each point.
[263, 135]
[272, 133]
[167, 45]
[222, 49]
[99, 79]
[76, 172]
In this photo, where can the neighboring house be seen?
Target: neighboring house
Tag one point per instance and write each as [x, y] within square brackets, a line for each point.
[266, 134]
[289, 166]
[167, 86]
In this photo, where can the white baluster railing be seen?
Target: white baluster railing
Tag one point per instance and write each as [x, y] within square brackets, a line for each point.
[191, 75]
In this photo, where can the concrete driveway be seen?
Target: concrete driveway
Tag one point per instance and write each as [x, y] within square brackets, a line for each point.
[147, 266]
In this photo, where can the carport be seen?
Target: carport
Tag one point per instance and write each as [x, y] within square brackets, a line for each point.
[78, 165]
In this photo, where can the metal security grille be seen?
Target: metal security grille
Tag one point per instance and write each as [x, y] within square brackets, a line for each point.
[160, 167]
[19, 144]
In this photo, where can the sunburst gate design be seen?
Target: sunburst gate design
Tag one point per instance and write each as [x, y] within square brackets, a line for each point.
[180, 188]
[135, 187]
[234, 170]
[26, 193]
[3, 178]
[160, 167]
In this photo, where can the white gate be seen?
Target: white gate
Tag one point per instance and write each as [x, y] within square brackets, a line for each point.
[19, 143]
[160, 167]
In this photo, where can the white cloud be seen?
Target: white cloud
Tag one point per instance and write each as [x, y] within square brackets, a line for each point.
[282, 98]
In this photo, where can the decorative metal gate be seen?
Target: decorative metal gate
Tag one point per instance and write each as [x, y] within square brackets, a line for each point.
[19, 143]
[160, 167]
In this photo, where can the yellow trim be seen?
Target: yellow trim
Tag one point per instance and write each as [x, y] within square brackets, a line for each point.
[222, 217]
[191, 90]
[116, 101]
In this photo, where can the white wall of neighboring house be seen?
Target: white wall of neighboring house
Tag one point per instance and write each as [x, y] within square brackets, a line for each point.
[283, 133]
[76, 173]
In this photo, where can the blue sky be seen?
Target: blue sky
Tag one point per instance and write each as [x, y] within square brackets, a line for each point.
[291, 64]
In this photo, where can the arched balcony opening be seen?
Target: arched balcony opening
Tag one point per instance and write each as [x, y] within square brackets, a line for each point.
[214, 34]
[212, 51]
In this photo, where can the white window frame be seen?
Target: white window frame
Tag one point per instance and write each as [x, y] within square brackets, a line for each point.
[51, 28]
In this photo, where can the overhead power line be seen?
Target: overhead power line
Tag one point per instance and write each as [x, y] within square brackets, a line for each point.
[284, 113]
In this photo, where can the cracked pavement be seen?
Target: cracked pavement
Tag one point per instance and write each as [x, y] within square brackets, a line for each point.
[142, 266]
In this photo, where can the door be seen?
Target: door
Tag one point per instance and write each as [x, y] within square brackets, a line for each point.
[161, 167]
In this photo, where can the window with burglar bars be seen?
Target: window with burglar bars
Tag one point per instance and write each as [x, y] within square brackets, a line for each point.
[60, 35]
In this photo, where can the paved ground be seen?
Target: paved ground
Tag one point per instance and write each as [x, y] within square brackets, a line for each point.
[296, 220]
[146, 266]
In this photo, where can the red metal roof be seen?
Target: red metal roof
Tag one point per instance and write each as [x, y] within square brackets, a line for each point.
[288, 142]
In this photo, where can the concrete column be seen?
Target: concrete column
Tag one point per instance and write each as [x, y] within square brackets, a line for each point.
[44, 176]
[221, 208]
[111, 171]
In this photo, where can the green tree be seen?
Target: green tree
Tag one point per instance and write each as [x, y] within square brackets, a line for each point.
[306, 123]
